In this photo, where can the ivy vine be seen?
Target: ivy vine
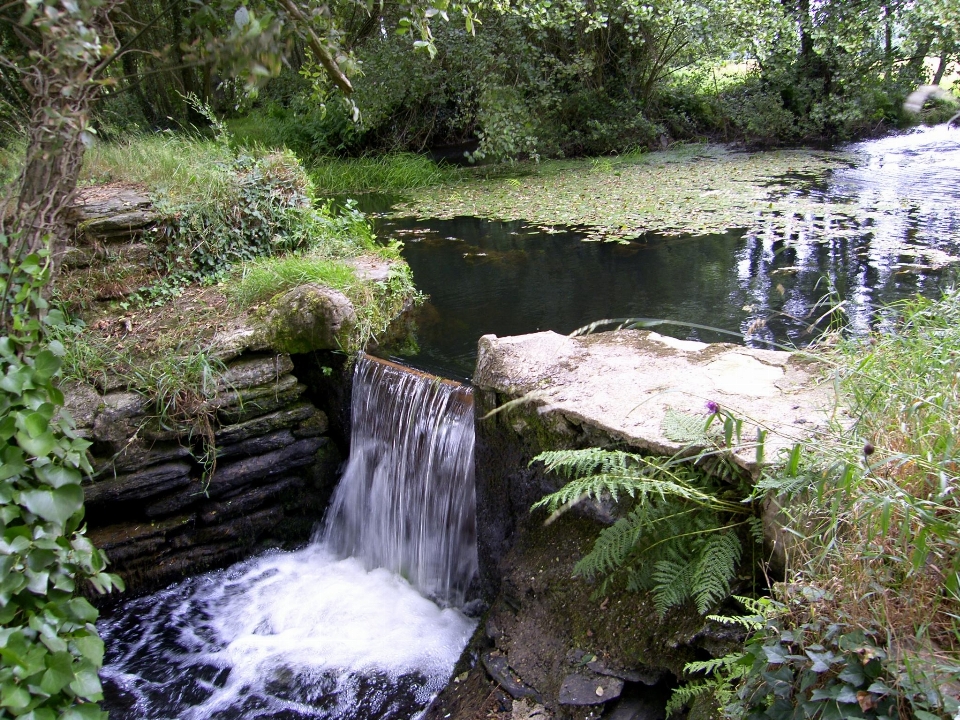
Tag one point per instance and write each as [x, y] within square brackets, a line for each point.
[50, 652]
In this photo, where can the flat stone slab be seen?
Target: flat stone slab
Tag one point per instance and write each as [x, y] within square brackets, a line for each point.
[626, 383]
[107, 200]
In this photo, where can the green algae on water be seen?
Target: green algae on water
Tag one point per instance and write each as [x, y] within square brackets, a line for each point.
[699, 189]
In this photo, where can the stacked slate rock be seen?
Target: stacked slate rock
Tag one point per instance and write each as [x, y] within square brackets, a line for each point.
[161, 507]
[112, 222]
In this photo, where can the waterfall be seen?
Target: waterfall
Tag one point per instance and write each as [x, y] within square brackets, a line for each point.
[328, 632]
[406, 501]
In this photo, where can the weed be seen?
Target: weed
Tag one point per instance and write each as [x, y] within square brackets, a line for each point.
[870, 613]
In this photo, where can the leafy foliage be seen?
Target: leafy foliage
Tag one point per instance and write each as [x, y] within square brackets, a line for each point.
[867, 625]
[680, 538]
[49, 648]
[793, 667]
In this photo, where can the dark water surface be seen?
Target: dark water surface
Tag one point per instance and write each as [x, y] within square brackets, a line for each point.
[878, 232]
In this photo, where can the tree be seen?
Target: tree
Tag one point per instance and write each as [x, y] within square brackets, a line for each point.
[64, 52]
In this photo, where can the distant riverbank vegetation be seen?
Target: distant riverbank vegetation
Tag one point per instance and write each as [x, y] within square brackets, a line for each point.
[563, 79]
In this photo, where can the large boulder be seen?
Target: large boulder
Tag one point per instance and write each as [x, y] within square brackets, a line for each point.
[309, 317]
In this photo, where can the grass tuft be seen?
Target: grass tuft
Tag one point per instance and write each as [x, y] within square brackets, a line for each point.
[388, 173]
[263, 279]
[879, 519]
[179, 168]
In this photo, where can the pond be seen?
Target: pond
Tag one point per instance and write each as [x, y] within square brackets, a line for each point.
[884, 229]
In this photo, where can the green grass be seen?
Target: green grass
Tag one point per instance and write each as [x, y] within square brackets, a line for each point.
[179, 168]
[875, 500]
[387, 173]
[261, 280]
[377, 304]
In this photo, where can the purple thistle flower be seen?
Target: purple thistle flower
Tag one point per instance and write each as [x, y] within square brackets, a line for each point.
[712, 407]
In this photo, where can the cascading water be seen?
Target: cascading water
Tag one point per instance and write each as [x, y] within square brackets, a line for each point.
[403, 503]
[337, 629]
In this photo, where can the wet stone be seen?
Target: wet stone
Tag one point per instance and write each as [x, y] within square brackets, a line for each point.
[317, 425]
[583, 688]
[498, 668]
[140, 485]
[130, 554]
[178, 502]
[646, 676]
[266, 424]
[250, 371]
[256, 445]
[245, 529]
[246, 502]
[119, 535]
[250, 470]
[237, 408]
[141, 454]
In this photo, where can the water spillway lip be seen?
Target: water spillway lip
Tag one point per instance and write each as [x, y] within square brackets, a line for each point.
[464, 390]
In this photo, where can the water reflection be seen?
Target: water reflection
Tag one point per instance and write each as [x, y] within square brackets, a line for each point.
[882, 230]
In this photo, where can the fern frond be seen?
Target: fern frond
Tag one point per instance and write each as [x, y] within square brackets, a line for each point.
[611, 550]
[710, 667]
[686, 694]
[788, 485]
[748, 622]
[673, 582]
[764, 606]
[716, 566]
[690, 429]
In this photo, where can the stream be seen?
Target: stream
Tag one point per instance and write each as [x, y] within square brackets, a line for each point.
[366, 621]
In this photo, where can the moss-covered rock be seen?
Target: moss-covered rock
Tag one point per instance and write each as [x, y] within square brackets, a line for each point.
[309, 317]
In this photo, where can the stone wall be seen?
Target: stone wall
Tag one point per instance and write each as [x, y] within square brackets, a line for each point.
[160, 509]
[252, 467]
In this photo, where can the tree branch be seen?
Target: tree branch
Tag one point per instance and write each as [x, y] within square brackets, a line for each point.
[323, 55]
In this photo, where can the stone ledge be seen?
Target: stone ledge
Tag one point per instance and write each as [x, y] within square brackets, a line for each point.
[622, 384]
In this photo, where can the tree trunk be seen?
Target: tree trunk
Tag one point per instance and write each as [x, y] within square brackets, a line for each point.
[941, 68]
[61, 88]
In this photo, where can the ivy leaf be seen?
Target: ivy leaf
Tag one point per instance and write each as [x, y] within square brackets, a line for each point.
[775, 654]
[59, 673]
[8, 427]
[36, 424]
[45, 365]
[82, 610]
[91, 647]
[14, 696]
[87, 685]
[40, 446]
[54, 505]
[847, 695]
[58, 476]
[87, 711]
[16, 382]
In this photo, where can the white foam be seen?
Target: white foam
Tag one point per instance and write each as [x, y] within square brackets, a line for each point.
[305, 616]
